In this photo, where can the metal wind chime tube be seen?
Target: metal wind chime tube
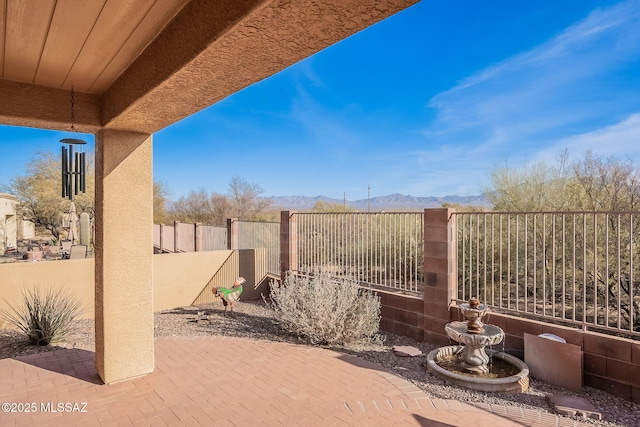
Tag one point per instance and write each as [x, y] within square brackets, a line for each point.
[73, 166]
[64, 173]
[73, 170]
[77, 175]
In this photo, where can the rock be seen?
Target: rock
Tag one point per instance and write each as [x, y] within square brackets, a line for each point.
[406, 351]
[572, 406]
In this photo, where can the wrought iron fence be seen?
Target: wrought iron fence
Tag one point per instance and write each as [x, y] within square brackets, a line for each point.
[376, 249]
[254, 235]
[576, 267]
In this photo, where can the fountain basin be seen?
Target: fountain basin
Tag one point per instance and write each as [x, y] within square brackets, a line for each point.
[517, 383]
[457, 331]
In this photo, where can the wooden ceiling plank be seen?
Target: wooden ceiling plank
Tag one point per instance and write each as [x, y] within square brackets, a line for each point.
[118, 19]
[153, 23]
[70, 27]
[26, 31]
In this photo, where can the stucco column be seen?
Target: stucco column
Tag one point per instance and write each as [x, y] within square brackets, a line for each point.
[123, 251]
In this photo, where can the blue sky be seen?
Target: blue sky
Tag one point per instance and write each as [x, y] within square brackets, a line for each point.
[425, 103]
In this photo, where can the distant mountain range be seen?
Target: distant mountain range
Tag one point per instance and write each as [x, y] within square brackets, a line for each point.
[392, 202]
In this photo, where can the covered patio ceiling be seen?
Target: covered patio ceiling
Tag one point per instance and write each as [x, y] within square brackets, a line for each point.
[136, 67]
[141, 65]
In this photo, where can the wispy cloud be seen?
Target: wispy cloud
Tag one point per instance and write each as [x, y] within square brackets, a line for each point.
[569, 91]
[547, 87]
[620, 140]
[616, 26]
[328, 123]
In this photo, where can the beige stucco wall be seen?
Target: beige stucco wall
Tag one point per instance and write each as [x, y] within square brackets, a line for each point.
[178, 278]
[76, 276]
[8, 224]
[12, 228]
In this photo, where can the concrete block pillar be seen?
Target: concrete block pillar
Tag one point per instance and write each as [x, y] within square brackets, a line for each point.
[123, 255]
[232, 234]
[440, 267]
[288, 243]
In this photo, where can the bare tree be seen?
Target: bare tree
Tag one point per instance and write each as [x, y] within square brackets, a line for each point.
[39, 192]
[40, 199]
[195, 207]
[242, 202]
[245, 199]
[533, 187]
[590, 183]
[606, 184]
[160, 194]
[321, 206]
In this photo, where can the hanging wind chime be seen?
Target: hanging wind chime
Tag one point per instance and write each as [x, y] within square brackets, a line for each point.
[73, 164]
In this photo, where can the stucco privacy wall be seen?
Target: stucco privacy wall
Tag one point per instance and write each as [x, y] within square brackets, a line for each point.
[75, 275]
[178, 278]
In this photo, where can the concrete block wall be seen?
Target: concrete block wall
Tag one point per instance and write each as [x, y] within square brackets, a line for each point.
[402, 315]
[610, 363]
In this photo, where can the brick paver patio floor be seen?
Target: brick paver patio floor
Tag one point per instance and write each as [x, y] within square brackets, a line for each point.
[232, 381]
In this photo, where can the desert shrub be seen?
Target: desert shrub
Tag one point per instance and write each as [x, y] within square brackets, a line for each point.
[324, 310]
[45, 316]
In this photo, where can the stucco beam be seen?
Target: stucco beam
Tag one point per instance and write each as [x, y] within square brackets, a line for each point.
[29, 105]
[214, 49]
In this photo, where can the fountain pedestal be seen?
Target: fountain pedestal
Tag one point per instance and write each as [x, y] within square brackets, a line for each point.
[473, 355]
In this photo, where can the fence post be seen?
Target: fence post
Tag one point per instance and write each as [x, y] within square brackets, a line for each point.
[232, 233]
[176, 235]
[440, 272]
[288, 243]
[197, 241]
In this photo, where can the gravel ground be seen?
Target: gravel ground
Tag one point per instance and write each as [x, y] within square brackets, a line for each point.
[253, 320]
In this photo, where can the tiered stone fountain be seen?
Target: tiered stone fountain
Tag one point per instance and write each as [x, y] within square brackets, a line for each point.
[471, 364]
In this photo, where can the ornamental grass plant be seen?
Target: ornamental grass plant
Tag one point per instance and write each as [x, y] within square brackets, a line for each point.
[325, 310]
[45, 316]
